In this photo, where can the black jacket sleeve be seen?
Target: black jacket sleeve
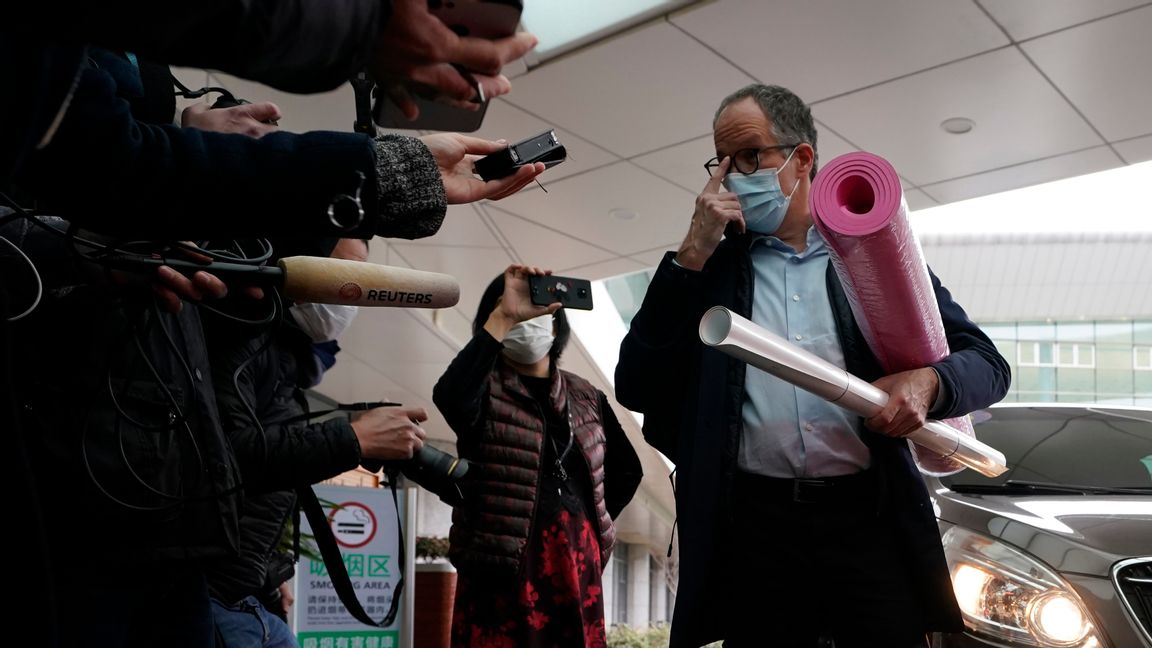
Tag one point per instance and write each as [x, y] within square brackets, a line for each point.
[107, 172]
[622, 469]
[297, 46]
[276, 454]
[462, 390]
[974, 375]
[659, 351]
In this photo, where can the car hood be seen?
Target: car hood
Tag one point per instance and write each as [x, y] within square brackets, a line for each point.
[1082, 534]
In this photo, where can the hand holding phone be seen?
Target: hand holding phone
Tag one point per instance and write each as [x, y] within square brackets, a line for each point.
[545, 148]
[434, 82]
[571, 292]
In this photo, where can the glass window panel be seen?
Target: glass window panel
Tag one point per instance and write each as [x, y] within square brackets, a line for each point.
[1036, 384]
[1087, 355]
[1142, 332]
[1036, 331]
[1045, 354]
[1114, 332]
[1066, 355]
[1000, 330]
[1142, 358]
[1076, 384]
[1007, 348]
[1113, 381]
[1075, 331]
[1142, 388]
[1029, 353]
[1114, 357]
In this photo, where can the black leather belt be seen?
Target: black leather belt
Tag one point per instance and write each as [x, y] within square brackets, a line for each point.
[808, 490]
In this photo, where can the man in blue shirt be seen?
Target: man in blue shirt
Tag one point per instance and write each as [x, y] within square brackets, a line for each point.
[819, 513]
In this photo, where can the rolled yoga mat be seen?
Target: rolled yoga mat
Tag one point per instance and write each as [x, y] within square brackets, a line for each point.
[859, 208]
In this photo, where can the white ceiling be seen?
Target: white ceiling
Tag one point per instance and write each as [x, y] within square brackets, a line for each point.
[1056, 88]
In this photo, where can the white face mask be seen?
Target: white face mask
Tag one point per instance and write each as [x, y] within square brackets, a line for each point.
[529, 341]
[323, 322]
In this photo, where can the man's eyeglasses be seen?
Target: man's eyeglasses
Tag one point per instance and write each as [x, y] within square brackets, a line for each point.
[746, 161]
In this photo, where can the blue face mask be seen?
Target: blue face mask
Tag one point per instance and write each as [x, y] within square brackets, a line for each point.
[761, 199]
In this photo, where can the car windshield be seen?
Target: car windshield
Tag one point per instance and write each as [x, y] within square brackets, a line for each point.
[1092, 447]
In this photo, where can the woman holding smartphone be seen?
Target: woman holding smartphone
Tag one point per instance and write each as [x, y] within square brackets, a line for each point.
[554, 470]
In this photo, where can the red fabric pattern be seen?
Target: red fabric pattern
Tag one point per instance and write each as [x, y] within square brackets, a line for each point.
[557, 604]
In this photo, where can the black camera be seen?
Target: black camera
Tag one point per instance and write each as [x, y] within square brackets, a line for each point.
[436, 471]
[430, 467]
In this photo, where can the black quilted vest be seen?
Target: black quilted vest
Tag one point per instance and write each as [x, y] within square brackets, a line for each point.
[492, 530]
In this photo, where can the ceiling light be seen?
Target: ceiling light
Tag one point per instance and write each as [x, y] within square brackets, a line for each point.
[957, 125]
[623, 213]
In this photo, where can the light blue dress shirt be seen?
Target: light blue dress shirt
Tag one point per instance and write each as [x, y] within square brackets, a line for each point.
[789, 432]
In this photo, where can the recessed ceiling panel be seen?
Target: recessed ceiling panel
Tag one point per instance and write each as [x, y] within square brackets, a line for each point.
[1025, 175]
[1017, 117]
[631, 94]
[823, 48]
[1029, 18]
[1104, 68]
[1135, 150]
[621, 208]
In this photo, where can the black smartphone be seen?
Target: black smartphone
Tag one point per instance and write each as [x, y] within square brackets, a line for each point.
[544, 147]
[573, 293]
[490, 19]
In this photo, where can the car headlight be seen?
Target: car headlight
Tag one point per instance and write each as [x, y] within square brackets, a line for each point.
[1005, 594]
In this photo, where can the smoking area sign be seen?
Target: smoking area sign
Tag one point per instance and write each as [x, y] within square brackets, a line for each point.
[353, 524]
[363, 520]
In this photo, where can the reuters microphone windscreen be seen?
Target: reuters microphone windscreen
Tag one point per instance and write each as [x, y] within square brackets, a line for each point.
[322, 280]
[317, 280]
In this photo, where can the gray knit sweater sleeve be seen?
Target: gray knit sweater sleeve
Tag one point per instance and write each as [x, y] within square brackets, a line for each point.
[411, 200]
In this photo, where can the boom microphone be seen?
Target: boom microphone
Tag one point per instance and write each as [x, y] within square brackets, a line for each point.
[319, 280]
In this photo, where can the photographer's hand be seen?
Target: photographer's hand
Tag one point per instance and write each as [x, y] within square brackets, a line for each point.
[390, 433]
[455, 154]
[253, 120]
[416, 47]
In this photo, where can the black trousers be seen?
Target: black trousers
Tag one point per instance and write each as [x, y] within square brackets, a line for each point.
[814, 562]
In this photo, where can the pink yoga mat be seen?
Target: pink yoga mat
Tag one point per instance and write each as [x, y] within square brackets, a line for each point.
[859, 208]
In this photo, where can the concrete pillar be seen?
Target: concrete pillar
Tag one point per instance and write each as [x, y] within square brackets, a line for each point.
[639, 586]
[659, 591]
[607, 582]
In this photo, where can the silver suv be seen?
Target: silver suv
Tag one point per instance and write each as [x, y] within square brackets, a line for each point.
[1056, 552]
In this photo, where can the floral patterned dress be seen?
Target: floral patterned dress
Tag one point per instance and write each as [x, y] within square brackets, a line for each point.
[557, 601]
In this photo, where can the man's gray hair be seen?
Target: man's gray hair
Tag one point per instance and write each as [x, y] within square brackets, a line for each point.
[790, 117]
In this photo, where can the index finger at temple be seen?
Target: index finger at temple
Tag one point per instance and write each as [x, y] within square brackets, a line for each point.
[718, 174]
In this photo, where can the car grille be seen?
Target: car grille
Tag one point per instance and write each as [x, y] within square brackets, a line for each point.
[1133, 579]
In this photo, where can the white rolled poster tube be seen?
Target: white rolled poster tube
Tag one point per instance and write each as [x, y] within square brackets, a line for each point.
[740, 338]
